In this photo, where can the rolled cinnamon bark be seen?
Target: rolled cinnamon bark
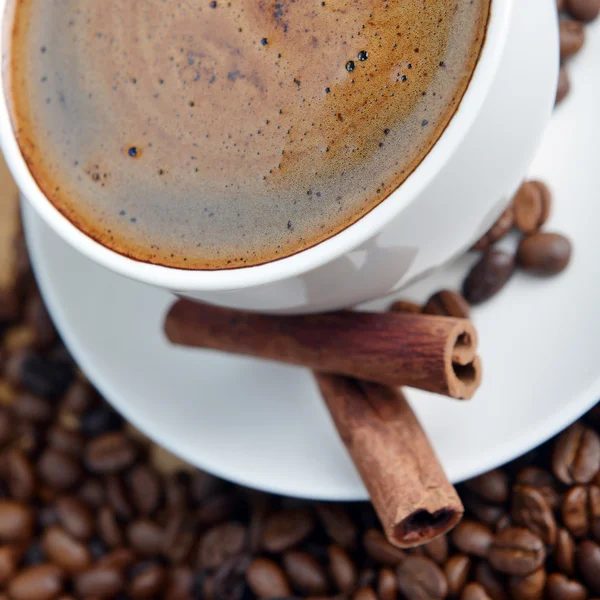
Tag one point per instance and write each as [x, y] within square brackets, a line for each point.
[436, 354]
[409, 490]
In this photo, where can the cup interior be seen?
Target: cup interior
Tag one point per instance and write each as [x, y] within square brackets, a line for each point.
[306, 260]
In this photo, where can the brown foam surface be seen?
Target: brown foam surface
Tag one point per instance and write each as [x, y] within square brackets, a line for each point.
[213, 135]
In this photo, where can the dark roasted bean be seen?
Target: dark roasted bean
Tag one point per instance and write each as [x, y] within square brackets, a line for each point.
[488, 276]
[180, 536]
[564, 553]
[380, 550]
[489, 514]
[92, 492]
[584, 10]
[572, 37]
[560, 587]
[41, 582]
[530, 510]
[364, 593]
[20, 475]
[79, 398]
[31, 407]
[543, 481]
[492, 486]
[386, 585]
[16, 521]
[145, 489]
[179, 584]
[108, 527]
[516, 551]
[437, 549]
[120, 559]
[65, 551]
[575, 511]
[474, 591]
[65, 440]
[220, 543]
[447, 303]
[528, 587]
[305, 573]
[145, 537]
[110, 453]
[149, 583]
[9, 561]
[342, 568]
[287, 528]
[216, 509]
[490, 580]
[176, 491]
[532, 206]
[203, 485]
[59, 470]
[44, 377]
[117, 497]
[456, 571]
[99, 582]
[99, 420]
[266, 579]
[472, 538]
[576, 457]
[588, 562]
[338, 524]
[76, 517]
[420, 578]
[544, 253]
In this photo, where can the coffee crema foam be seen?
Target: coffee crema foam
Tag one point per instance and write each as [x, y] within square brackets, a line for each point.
[214, 135]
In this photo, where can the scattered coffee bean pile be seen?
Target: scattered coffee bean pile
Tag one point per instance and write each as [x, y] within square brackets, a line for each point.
[574, 14]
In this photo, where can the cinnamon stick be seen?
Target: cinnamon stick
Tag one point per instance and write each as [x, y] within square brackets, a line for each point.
[413, 498]
[432, 353]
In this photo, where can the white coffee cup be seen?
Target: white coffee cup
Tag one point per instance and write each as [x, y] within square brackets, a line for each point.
[449, 201]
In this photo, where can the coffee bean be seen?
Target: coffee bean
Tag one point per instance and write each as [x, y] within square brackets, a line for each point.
[588, 562]
[420, 578]
[44, 377]
[564, 553]
[31, 407]
[516, 551]
[492, 486]
[456, 571]
[560, 587]
[472, 538]
[92, 492]
[488, 276]
[216, 509]
[120, 559]
[364, 593]
[575, 511]
[203, 485]
[229, 580]
[97, 548]
[530, 510]
[176, 490]
[7, 426]
[64, 550]
[474, 591]
[99, 582]
[266, 579]
[149, 583]
[180, 536]
[572, 37]
[437, 549]
[76, 517]
[544, 253]
[528, 587]
[541, 480]
[65, 440]
[117, 497]
[584, 10]
[564, 85]
[145, 537]
[337, 523]
[386, 585]
[99, 420]
[79, 398]
[16, 521]
[41, 582]
[342, 568]
[287, 528]
[498, 230]
[108, 527]
[9, 561]
[58, 469]
[221, 543]
[179, 584]
[403, 306]
[532, 204]
[20, 475]
[490, 580]
[560, 5]
[576, 457]
[489, 514]
[145, 489]
[110, 453]
[380, 550]
[305, 573]
[447, 304]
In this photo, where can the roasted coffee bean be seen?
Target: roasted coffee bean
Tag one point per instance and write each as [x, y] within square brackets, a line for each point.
[498, 230]
[65, 440]
[528, 587]
[489, 514]
[380, 550]
[99, 582]
[98, 549]
[120, 559]
[447, 303]
[560, 5]
[575, 511]
[44, 377]
[337, 523]
[99, 420]
[386, 585]
[266, 579]
[564, 553]
[216, 509]
[203, 485]
[229, 580]
[516, 551]
[41, 582]
[176, 490]
[39, 321]
[59, 470]
[305, 573]
[541, 480]
[492, 486]
[342, 568]
[488, 276]
[76, 517]
[588, 563]
[572, 37]
[31, 407]
[404, 306]
[65, 551]
[117, 497]
[437, 549]
[472, 538]
[145, 489]
[79, 398]
[490, 580]
[92, 492]
[287, 528]
[420, 578]
[364, 593]
[474, 591]
[146, 537]
[584, 10]
[564, 84]
[9, 561]
[530, 510]
[7, 426]
[544, 253]
[180, 536]
[149, 583]
[456, 571]
[560, 587]
[179, 584]
[220, 543]
[366, 578]
[532, 204]
[20, 476]
[576, 457]
[110, 453]
[16, 521]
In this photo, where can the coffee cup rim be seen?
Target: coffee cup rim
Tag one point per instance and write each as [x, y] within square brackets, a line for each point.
[182, 280]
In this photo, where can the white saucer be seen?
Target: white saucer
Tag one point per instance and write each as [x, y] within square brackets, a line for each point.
[264, 425]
